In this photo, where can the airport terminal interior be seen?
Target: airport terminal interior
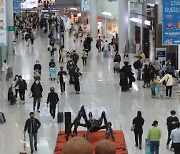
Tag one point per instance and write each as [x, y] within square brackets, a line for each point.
[101, 89]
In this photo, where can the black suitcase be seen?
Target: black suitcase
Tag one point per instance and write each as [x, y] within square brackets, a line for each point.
[60, 117]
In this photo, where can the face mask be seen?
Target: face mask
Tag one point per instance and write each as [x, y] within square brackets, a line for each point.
[37, 82]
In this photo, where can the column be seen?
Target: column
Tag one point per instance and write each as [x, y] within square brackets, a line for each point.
[10, 22]
[159, 11]
[179, 57]
[123, 24]
[93, 18]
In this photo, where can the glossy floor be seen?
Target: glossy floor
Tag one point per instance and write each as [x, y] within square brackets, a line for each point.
[99, 92]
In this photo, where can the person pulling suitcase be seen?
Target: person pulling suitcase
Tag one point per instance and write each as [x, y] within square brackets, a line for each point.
[32, 125]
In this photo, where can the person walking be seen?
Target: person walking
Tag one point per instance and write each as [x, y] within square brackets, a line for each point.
[76, 76]
[169, 81]
[172, 120]
[61, 78]
[138, 66]
[22, 88]
[16, 79]
[154, 136]
[126, 59]
[32, 125]
[98, 43]
[175, 136]
[52, 99]
[138, 123]
[157, 66]
[106, 49]
[84, 57]
[4, 69]
[36, 90]
[146, 76]
[37, 66]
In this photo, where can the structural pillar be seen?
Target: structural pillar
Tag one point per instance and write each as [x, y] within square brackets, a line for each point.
[93, 18]
[10, 22]
[179, 57]
[122, 24]
[159, 11]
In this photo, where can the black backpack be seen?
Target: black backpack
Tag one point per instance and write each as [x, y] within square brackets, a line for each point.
[136, 65]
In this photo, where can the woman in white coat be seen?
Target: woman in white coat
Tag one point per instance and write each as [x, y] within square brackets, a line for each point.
[169, 80]
[4, 69]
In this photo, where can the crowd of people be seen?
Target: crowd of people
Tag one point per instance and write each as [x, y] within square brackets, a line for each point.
[154, 74]
[154, 133]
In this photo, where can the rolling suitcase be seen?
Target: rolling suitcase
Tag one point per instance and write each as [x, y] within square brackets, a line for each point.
[59, 115]
[2, 118]
[23, 146]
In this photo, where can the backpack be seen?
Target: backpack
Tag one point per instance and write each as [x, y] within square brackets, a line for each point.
[136, 65]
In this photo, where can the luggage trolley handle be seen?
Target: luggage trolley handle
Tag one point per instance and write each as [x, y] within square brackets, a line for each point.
[24, 137]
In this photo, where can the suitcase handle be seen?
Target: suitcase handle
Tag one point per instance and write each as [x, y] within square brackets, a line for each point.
[24, 137]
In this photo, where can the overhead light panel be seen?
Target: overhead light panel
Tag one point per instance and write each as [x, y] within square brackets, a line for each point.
[107, 13]
[73, 9]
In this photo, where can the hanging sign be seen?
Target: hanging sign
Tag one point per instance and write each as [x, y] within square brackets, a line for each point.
[171, 22]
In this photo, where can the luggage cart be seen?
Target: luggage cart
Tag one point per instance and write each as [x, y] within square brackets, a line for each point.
[147, 147]
[52, 73]
[116, 67]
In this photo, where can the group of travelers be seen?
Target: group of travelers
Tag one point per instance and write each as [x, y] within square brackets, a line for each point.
[154, 133]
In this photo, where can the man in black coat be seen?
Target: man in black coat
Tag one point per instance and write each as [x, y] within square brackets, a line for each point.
[36, 90]
[171, 124]
[22, 88]
[52, 100]
[32, 125]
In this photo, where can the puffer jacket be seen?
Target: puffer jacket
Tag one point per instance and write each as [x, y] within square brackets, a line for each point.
[169, 80]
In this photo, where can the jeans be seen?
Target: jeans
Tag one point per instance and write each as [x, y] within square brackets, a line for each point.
[168, 91]
[105, 53]
[84, 61]
[38, 100]
[52, 53]
[139, 74]
[22, 94]
[138, 136]
[16, 92]
[154, 147]
[53, 111]
[33, 138]
[62, 85]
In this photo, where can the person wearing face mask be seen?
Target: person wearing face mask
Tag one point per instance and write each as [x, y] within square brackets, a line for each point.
[16, 79]
[36, 90]
[32, 125]
[52, 99]
[37, 66]
[22, 88]
[61, 78]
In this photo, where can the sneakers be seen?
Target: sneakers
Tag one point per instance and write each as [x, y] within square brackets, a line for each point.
[23, 102]
[38, 111]
[167, 146]
[136, 145]
[140, 147]
[172, 149]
